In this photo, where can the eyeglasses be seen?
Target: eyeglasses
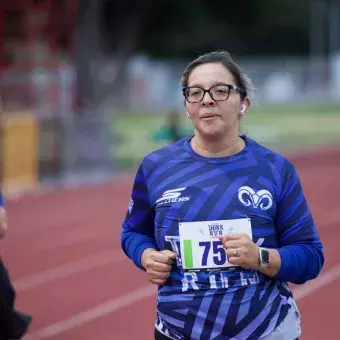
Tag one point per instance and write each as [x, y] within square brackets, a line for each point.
[218, 92]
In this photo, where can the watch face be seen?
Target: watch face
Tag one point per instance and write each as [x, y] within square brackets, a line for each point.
[264, 256]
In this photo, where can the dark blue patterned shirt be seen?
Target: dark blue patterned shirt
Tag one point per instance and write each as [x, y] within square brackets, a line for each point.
[174, 184]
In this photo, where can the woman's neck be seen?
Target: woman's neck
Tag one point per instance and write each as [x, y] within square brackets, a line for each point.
[215, 147]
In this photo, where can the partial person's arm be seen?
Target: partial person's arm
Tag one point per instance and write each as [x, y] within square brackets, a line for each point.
[300, 249]
[3, 222]
[138, 226]
[3, 218]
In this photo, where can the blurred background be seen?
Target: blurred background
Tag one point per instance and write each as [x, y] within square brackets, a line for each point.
[95, 81]
[87, 87]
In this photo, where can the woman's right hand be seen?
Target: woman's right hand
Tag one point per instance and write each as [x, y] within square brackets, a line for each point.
[158, 264]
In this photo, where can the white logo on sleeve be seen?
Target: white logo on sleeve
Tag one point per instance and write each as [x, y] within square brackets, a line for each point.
[262, 198]
[130, 207]
[173, 196]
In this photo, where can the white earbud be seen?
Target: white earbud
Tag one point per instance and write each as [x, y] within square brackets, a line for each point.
[243, 109]
[188, 115]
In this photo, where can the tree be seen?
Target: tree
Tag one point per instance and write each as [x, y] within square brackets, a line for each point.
[185, 29]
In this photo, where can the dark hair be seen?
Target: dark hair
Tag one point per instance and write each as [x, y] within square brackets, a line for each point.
[224, 58]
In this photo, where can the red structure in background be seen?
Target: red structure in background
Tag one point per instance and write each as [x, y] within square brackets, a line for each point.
[36, 42]
[37, 71]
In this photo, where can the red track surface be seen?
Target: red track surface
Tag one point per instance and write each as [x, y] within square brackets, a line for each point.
[63, 253]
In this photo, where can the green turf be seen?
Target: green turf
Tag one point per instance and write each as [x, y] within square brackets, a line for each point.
[277, 128]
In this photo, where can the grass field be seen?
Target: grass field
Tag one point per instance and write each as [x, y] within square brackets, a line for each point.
[280, 129]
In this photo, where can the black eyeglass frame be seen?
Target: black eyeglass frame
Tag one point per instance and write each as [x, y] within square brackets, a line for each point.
[230, 87]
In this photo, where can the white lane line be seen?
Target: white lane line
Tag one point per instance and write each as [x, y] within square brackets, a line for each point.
[85, 264]
[94, 313]
[310, 287]
[148, 291]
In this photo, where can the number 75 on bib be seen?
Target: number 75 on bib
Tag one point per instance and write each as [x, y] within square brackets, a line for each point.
[200, 247]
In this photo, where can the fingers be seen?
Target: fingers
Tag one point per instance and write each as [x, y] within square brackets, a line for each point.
[240, 250]
[158, 265]
[158, 277]
[233, 244]
[245, 256]
[165, 256]
[237, 257]
[169, 253]
[161, 267]
[158, 282]
[150, 256]
[234, 253]
[237, 261]
[233, 237]
[236, 236]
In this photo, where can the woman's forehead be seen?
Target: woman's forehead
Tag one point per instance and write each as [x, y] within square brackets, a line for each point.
[210, 74]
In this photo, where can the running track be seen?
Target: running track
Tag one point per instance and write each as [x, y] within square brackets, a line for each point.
[63, 253]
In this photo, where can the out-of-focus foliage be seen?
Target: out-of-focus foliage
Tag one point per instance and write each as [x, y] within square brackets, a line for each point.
[172, 28]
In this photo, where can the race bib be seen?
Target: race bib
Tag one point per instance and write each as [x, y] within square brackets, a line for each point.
[200, 247]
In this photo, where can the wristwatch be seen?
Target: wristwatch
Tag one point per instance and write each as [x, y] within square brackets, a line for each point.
[264, 258]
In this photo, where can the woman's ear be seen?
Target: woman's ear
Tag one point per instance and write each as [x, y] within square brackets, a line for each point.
[245, 107]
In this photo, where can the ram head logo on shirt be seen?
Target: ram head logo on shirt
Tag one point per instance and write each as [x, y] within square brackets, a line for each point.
[262, 198]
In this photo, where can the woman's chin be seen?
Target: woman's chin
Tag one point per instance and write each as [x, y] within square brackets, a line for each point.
[211, 131]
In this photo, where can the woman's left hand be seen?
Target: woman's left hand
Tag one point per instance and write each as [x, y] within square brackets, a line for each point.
[241, 250]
